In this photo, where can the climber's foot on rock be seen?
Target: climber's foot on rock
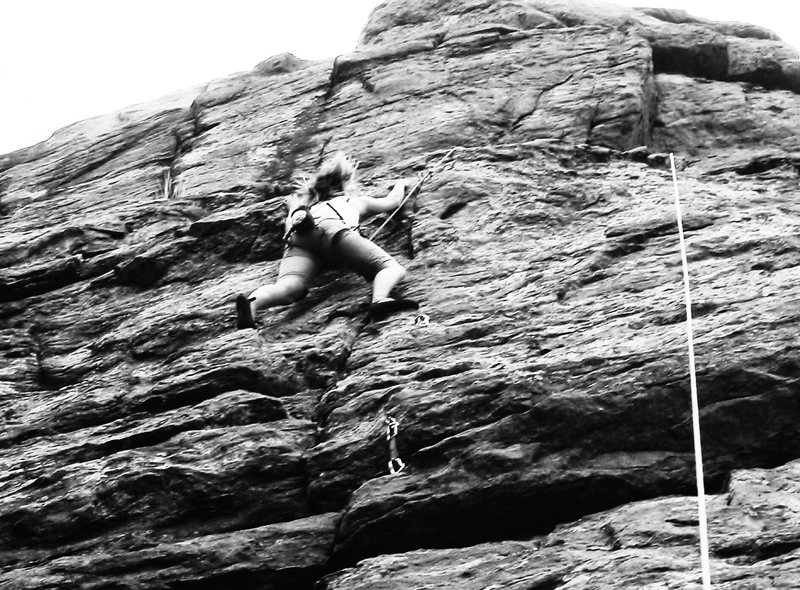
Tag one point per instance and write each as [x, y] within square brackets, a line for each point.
[379, 310]
[244, 315]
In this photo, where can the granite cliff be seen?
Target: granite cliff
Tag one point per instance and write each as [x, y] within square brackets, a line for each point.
[544, 408]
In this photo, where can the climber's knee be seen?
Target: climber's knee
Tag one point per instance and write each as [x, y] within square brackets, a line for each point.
[293, 288]
[393, 268]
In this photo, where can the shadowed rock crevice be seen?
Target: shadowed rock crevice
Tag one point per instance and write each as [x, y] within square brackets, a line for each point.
[751, 553]
[702, 61]
[646, 543]
[485, 515]
[521, 117]
[701, 50]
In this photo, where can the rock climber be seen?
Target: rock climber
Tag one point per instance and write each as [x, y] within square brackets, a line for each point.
[321, 231]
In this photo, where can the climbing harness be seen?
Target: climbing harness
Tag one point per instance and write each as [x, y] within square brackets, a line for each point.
[396, 464]
[698, 455]
[415, 190]
[309, 227]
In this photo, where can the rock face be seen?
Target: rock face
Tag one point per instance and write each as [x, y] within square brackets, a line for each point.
[543, 398]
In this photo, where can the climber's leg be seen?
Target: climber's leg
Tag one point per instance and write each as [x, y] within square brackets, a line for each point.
[385, 280]
[373, 263]
[297, 267]
[286, 290]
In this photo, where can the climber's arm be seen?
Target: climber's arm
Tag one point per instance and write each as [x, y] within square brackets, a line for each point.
[368, 206]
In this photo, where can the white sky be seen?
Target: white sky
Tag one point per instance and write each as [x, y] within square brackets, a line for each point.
[63, 61]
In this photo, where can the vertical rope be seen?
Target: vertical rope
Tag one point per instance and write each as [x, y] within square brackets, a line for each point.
[698, 454]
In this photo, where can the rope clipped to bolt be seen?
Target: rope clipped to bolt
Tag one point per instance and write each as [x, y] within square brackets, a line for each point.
[396, 464]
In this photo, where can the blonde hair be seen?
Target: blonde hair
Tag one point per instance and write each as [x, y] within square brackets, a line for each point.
[336, 175]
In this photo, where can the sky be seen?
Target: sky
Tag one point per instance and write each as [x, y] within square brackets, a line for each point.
[62, 61]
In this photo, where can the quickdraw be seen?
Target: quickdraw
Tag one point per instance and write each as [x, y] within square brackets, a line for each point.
[396, 464]
[423, 320]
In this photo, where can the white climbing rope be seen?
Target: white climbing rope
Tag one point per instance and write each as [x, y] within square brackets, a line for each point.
[415, 189]
[698, 454]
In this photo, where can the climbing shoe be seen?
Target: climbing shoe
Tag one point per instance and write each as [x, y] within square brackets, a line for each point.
[381, 309]
[244, 316]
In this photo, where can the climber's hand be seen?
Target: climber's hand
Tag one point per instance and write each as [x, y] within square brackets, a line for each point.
[410, 192]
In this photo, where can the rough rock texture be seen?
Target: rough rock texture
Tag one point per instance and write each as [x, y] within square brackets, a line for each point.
[647, 544]
[544, 409]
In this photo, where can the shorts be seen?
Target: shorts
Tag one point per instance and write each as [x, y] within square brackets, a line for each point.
[357, 253]
[348, 249]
